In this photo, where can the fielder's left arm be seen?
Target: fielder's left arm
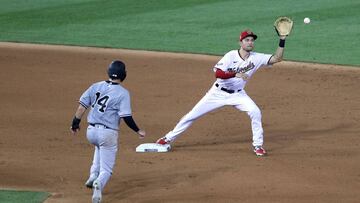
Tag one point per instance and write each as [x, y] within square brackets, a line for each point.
[283, 27]
[279, 53]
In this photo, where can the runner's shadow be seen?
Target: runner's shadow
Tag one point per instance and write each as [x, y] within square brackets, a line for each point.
[155, 181]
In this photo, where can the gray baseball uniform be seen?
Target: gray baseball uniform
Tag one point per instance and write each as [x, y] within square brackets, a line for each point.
[109, 102]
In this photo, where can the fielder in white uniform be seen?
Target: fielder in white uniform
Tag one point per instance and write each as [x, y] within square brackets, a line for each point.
[232, 73]
[108, 102]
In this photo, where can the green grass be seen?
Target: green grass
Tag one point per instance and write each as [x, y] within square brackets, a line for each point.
[195, 26]
[11, 196]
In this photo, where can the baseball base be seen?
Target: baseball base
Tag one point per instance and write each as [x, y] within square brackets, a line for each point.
[153, 147]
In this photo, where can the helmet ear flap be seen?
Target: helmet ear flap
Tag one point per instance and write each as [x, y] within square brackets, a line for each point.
[117, 70]
[123, 76]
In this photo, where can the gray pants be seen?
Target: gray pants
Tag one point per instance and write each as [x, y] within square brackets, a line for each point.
[106, 146]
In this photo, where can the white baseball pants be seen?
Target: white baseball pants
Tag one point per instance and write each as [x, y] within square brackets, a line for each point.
[106, 146]
[216, 98]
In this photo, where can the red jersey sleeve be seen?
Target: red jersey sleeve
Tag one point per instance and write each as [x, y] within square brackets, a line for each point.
[224, 75]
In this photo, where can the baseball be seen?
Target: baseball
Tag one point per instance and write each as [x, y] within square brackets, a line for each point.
[306, 20]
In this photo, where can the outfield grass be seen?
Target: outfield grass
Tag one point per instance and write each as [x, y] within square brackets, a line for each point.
[12, 196]
[196, 26]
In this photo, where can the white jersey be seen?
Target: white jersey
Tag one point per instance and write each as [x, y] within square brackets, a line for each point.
[233, 62]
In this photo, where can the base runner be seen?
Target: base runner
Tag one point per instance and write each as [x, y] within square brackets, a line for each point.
[108, 102]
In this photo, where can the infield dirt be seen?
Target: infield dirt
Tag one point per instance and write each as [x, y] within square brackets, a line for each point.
[311, 115]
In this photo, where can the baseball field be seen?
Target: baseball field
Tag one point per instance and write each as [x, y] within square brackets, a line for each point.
[309, 102]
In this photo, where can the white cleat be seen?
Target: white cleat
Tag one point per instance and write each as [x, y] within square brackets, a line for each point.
[96, 198]
[90, 181]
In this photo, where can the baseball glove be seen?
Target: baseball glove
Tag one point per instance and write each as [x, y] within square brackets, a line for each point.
[283, 26]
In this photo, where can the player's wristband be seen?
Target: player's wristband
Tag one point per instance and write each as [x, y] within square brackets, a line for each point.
[282, 43]
[75, 123]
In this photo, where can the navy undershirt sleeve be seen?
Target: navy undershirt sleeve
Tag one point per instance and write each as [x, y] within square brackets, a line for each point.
[131, 123]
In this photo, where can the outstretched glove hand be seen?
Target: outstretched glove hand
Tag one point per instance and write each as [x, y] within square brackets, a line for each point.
[283, 26]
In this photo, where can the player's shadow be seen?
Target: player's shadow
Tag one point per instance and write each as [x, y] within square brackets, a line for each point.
[212, 143]
[284, 138]
[152, 180]
[279, 138]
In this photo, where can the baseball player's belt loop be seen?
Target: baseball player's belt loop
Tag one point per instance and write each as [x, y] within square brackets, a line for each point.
[227, 90]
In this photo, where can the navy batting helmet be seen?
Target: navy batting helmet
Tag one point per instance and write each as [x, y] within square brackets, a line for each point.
[117, 70]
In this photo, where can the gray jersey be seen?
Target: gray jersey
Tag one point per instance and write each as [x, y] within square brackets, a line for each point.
[108, 101]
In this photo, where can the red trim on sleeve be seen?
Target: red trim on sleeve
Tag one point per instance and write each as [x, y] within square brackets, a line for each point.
[224, 75]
